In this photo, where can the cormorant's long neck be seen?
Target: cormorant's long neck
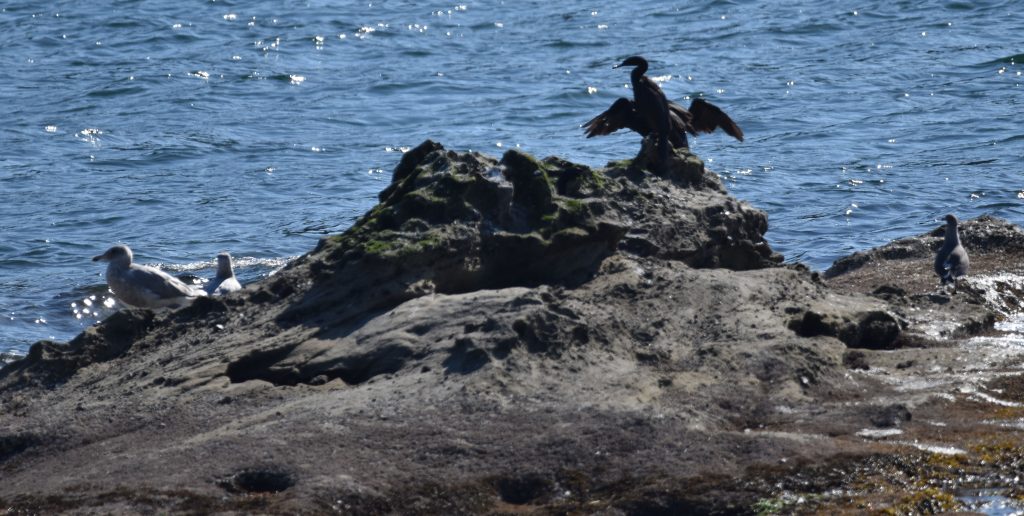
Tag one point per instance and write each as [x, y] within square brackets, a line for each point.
[638, 72]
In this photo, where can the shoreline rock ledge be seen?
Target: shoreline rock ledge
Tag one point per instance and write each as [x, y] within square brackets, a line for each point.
[494, 335]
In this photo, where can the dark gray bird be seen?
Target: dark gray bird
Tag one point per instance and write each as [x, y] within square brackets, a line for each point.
[141, 286]
[951, 263]
[650, 112]
[225, 280]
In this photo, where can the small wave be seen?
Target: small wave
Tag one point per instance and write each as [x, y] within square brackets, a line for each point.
[116, 92]
[934, 448]
[417, 52]
[1010, 60]
[240, 262]
[10, 355]
[124, 24]
[562, 43]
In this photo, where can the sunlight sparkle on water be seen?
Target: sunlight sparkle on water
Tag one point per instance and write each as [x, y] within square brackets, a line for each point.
[89, 133]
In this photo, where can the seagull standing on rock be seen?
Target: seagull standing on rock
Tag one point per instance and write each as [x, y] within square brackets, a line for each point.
[951, 263]
[141, 286]
[225, 281]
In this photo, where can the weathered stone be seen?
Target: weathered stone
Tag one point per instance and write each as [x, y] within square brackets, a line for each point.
[874, 329]
[492, 333]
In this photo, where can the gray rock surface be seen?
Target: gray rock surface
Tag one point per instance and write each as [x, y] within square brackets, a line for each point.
[902, 273]
[494, 334]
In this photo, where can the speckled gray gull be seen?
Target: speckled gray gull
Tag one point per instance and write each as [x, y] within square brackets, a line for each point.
[225, 281]
[951, 263]
[141, 286]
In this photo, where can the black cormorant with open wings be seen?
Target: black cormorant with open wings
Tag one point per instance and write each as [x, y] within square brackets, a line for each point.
[650, 111]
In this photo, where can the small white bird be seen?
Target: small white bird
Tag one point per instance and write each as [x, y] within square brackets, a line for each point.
[225, 281]
[141, 286]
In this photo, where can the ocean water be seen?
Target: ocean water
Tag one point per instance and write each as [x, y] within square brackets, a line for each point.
[186, 128]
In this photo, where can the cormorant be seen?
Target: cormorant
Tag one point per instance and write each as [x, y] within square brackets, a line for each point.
[142, 286]
[650, 111]
[951, 262]
[225, 281]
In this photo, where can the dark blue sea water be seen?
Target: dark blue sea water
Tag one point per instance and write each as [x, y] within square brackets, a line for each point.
[186, 128]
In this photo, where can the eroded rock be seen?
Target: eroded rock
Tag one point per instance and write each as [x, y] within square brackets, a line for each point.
[493, 333]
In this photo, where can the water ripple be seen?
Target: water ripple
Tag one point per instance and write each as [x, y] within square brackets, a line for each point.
[187, 129]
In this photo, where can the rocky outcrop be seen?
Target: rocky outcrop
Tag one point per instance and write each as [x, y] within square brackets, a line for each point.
[986, 234]
[494, 333]
[901, 273]
[50, 363]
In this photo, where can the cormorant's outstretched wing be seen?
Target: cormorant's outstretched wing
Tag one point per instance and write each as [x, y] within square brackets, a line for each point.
[622, 115]
[706, 117]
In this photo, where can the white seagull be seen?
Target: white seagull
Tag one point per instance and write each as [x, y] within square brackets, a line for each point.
[141, 286]
[225, 281]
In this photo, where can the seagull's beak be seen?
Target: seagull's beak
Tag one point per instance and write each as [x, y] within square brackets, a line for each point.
[100, 257]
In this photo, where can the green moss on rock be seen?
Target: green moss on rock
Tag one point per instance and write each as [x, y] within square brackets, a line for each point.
[464, 221]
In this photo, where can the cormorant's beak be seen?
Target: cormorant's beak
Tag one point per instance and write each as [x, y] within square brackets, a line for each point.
[617, 66]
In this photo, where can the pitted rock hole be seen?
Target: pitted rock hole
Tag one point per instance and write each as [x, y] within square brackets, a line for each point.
[352, 369]
[523, 489]
[257, 480]
[257, 366]
[14, 444]
[465, 357]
